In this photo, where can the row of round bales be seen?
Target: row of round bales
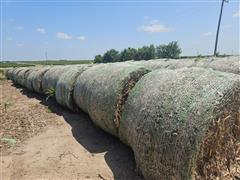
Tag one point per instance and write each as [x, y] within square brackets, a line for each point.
[181, 124]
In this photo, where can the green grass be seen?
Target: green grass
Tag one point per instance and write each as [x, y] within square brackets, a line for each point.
[59, 62]
[6, 64]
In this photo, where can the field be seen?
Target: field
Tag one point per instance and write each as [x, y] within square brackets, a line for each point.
[186, 109]
[6, 64]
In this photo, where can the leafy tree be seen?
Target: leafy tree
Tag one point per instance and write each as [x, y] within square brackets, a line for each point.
[111, 56]
[172, 50]
[145, 53]
[98, 59]
[127, 54]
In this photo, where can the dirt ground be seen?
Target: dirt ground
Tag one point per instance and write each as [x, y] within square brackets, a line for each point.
[41, 140]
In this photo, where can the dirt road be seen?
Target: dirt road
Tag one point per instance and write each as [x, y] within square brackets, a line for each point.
[41, 140]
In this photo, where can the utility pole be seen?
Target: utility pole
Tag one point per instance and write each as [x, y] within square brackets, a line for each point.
[219, 22]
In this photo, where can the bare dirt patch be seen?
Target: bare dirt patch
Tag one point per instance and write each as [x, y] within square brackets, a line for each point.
[41, 140]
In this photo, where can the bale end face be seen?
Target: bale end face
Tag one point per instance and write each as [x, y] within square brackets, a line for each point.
[219, 153]
[134, 78]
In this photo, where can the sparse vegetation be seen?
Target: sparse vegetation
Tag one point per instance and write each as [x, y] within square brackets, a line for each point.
[50, 92]
[2, 74]
[59, 62]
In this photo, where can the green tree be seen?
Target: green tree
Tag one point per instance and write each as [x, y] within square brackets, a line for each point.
[172, 50]
[145, 53]
[111, 56]
[98, 59]
[127, 54]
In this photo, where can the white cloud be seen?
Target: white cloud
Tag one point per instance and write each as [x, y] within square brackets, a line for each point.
[65, 36]
[154, 27]
[207, 34]
[61, 35]
[19, 45]
[236, 14]
[81, 38]
[41, 30]
[19, 28]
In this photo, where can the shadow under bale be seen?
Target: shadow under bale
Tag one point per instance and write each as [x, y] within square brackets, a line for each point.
[118, 156]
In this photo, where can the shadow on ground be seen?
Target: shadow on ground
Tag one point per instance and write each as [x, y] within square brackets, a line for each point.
[119, 157]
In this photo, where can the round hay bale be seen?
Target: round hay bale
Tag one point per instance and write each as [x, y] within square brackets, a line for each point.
[29, 80]
[230, 64]
[102, 90]
[22, 76]
[65, 85]
[181, 63]
[16, 77]
[9, 73]
[50, 78]
[203, 62]
[30, 76]
[36, 77]
[12, 74]
[153, 64]
[184, 124]
[165, 63]
[26, 78]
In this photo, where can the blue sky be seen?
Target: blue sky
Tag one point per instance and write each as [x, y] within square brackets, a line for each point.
[82, 29]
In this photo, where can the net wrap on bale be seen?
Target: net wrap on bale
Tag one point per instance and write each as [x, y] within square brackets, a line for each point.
[29, 80]
[36, 78]
[30, 77]
[51, 77]
[184, 124]
[101, 90]
[18, 75]
[9, 73]
[228, 64]
[25, 81]
[65, 85]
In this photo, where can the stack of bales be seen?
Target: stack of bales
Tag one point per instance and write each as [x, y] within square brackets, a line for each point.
[50, 78]
[65, 86]
[16, 78]
[23, 76]
[228, 64]
[9, 73]
[102, 90]
[34, 79]
[181, 123]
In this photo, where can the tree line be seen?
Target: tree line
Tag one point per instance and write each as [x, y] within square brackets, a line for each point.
[171, 50]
